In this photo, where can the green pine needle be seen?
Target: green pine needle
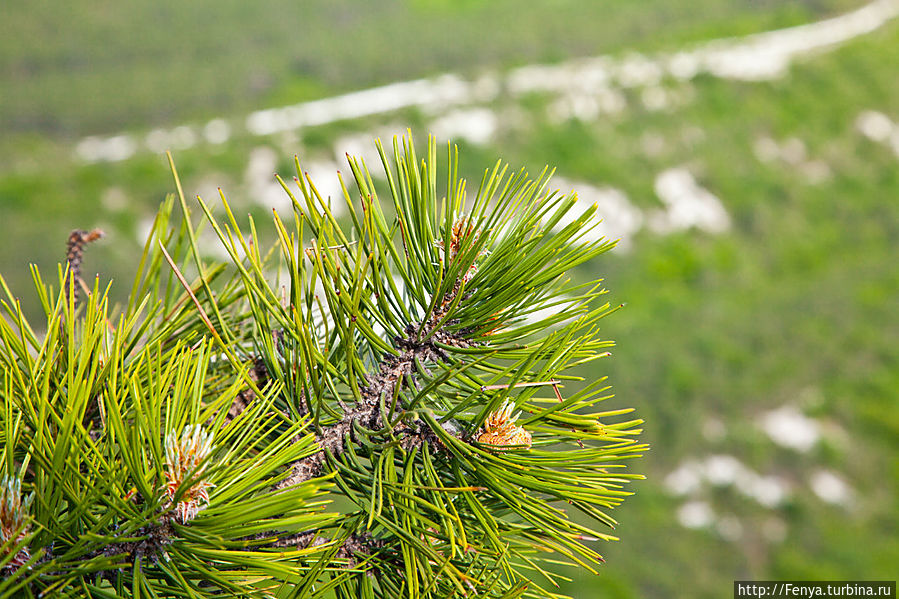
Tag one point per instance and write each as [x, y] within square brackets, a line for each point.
[401, 402]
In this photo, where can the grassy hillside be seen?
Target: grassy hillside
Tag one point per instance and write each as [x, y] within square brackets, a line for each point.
[789, 316]
[73, 70]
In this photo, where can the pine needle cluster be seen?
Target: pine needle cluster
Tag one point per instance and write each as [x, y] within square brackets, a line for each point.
[388, 404]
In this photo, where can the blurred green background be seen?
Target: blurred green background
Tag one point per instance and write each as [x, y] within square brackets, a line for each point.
[754, 183]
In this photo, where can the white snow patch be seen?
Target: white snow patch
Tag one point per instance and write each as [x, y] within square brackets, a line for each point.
[548, 78]
[767, 55]
[211, 246]
[360, 146]
[723, 470]
[611, 101]
[766, 149]
[476, 125]
[207, 188]
[157, 141]
[259, 179]
[143, 228]
[620, 219]
[815, 171]
[655, 98]
[830, 488]
[217, 131]
[584, 107]
[636, 70]
[434, 94]
[790, 428]
[793, 151]
[684, 65]
[109, 149]
[874, 125]
[182, 138]
[754, 57]
[686, 479]
[324, 176]
[486, 87]
[261, 165]
[265, 190]
[687, 204]
[695, 514]
[769, 491]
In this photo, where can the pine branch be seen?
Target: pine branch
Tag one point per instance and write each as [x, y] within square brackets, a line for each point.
[420, 345]
[406, 360]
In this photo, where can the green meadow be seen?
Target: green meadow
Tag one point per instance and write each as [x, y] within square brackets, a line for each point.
[759, 349]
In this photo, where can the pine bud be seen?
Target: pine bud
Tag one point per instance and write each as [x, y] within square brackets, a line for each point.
[186, 460]
[463, 231]
[14, 518]
[501, 431]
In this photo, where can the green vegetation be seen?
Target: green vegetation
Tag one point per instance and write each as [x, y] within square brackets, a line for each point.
[376, 410]
[75, 70]
[794, 305]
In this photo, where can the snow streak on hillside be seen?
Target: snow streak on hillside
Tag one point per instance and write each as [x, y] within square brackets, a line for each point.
[587, 88]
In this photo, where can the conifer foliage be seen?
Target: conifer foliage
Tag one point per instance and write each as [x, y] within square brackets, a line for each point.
[399, 402]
